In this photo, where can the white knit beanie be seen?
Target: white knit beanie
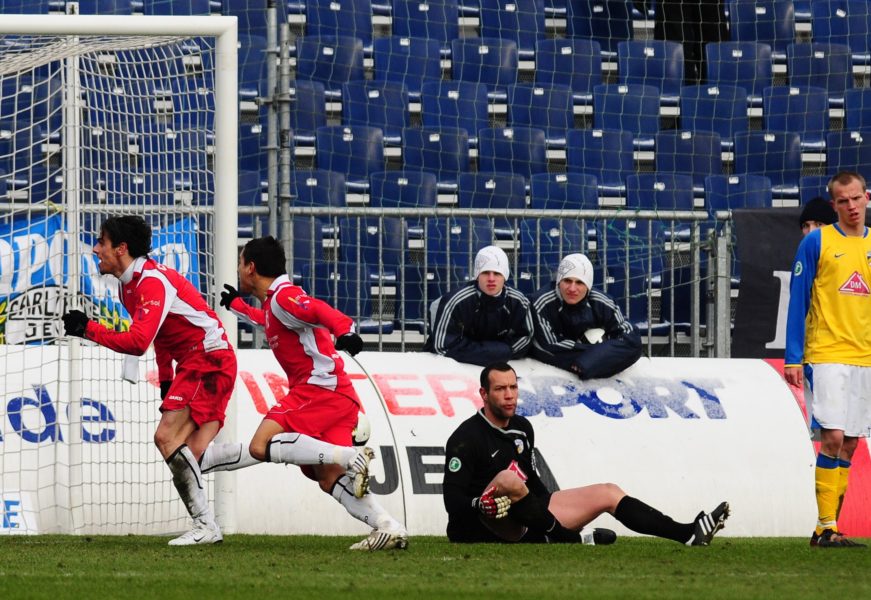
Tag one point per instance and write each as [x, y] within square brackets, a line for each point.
[576, 266]
[491, 258]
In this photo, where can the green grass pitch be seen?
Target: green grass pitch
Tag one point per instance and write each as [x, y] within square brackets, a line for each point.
[256, 567]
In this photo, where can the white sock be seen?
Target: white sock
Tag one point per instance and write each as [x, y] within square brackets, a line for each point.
[364, 509]
[226, 457]
[298, 449]
[188, 480]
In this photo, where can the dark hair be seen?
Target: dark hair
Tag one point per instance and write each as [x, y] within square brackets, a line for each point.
[267, 255]
[503, 367]
[844, 178]
[130, 230]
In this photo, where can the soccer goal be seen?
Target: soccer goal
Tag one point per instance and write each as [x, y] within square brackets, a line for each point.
[101, 116]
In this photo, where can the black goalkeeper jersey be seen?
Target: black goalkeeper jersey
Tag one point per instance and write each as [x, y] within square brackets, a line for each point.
[474, 454]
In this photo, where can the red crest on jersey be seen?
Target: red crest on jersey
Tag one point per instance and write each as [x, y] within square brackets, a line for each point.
[855, 286]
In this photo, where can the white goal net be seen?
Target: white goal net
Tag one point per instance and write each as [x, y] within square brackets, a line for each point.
[101, 116]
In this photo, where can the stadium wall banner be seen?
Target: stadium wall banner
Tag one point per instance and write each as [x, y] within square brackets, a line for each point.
[34, 275]
[682, 434]
[767, 243]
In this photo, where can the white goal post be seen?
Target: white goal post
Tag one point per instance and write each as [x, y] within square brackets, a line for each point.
[104, 115]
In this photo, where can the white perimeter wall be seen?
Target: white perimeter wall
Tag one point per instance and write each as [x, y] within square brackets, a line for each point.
[680, 434]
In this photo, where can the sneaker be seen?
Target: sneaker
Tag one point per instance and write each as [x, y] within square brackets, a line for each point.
[358, 471]
[815, 539]
[204, 532]
[599, 537]
[382, 539]
[708, 524]
[830, 538]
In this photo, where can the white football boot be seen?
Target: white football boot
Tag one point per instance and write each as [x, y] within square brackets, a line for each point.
[358, 471]
[204, 532]
[383, 539]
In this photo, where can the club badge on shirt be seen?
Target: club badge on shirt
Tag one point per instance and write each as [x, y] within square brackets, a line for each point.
[519, 445]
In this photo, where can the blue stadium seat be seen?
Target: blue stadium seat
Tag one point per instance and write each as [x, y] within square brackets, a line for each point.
[656, 63]
[720, 109]
[769, 22]
[549, 108]
[105, 7]
[376, 104]
[345, 286]
[606, 21]
[857, 109]
[776, 155]
[812, 186]
[849, 151]
[456, 241]
[659, 191]
[376, 242]
[519, 150]
[632, 108]
[332, 61]
[491, 61]
[352, 18]
[306, 248]
[727, 192]
[403, 189]
[308, 110]
[576, 63]
[353, 151]
[804, 111]
[747, 65]
[409, 61]
[824, 65]
[563, 191]
[694, 153]
[519, 20]
[845, 22]
[442, 151]
[317, 187]
[431, 19]
[605, 154]
[252, 14]
[175, 7]
[455, 104]
[494, 191]
[250, 194]
[27, 7]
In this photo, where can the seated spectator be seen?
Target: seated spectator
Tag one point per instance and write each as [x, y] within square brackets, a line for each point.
[580, 329]
[815, 214]
[484, 321]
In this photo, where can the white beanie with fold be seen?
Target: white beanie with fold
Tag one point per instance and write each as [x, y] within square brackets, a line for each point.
[491, 258]
[576, 266]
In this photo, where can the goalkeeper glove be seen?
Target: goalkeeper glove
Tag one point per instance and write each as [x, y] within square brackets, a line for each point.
[350, 343]
[75, 323]
[228, 296]
[164, 389]
[490, 506]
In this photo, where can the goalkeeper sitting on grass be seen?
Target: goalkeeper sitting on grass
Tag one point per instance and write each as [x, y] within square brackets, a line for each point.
[493, 494]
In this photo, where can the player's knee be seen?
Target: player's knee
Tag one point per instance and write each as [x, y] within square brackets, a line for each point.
[509, 482]
[613, 491]
[257, 451]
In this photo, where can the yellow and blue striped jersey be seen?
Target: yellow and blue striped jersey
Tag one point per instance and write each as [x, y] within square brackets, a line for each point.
[829, 318]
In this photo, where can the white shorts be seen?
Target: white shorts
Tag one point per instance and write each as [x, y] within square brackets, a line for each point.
[842, 398]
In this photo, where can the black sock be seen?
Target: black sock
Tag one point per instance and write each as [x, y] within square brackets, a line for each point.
[532, 512]
[641, 518]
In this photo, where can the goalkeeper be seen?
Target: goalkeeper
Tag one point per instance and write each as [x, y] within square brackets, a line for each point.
[492, 492]
[166, 309]
[312, 426]
[566, 314]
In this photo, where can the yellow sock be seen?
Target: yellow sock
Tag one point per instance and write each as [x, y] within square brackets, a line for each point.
[843, 477]
[827, 478]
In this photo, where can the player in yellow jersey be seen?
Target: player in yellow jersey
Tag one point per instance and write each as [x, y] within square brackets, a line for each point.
[828, 327]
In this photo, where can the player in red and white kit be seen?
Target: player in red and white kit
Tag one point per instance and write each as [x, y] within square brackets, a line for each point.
[167, 310]
[312, 425]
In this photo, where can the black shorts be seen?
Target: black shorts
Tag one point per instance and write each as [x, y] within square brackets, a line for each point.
[476, 532]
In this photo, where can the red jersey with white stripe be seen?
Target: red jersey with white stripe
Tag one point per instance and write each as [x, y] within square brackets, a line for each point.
[165, 308]
[298, 328]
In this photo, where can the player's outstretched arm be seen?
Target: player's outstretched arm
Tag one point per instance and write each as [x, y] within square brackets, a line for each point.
[232, 300]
